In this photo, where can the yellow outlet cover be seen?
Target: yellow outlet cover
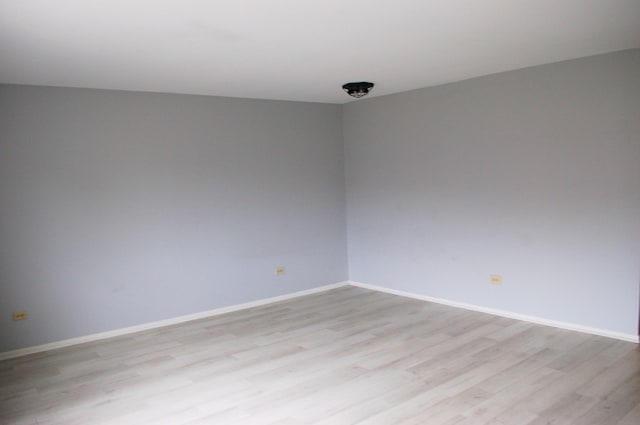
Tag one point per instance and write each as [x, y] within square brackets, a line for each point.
[495, 279]
[20, 315]
[280, 271]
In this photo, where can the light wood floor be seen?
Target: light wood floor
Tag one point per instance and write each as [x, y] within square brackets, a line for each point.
[344, 356]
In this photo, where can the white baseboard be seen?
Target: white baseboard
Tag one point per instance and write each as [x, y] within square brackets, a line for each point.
[162, 323]
[502, 313]
[265, 301]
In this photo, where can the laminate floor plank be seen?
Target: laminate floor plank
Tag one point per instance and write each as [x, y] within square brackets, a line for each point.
[344, 356]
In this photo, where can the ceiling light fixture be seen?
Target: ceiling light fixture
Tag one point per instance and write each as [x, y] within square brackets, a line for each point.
[358, 90]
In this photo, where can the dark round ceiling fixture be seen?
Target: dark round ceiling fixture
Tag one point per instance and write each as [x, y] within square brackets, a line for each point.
[359, 89]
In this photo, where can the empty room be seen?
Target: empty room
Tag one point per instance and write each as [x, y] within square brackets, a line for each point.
[299, 212]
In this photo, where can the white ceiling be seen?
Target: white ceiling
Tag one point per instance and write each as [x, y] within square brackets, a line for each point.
[297, 49]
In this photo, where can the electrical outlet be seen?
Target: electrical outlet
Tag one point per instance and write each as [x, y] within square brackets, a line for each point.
[20, 315]
[495, 279]
[280, 271]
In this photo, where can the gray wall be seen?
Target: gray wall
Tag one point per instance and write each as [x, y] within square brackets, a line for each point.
[532, 174]
[121, 208]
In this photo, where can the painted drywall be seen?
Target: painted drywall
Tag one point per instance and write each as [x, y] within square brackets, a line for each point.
[122, 208]
[532, 174]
